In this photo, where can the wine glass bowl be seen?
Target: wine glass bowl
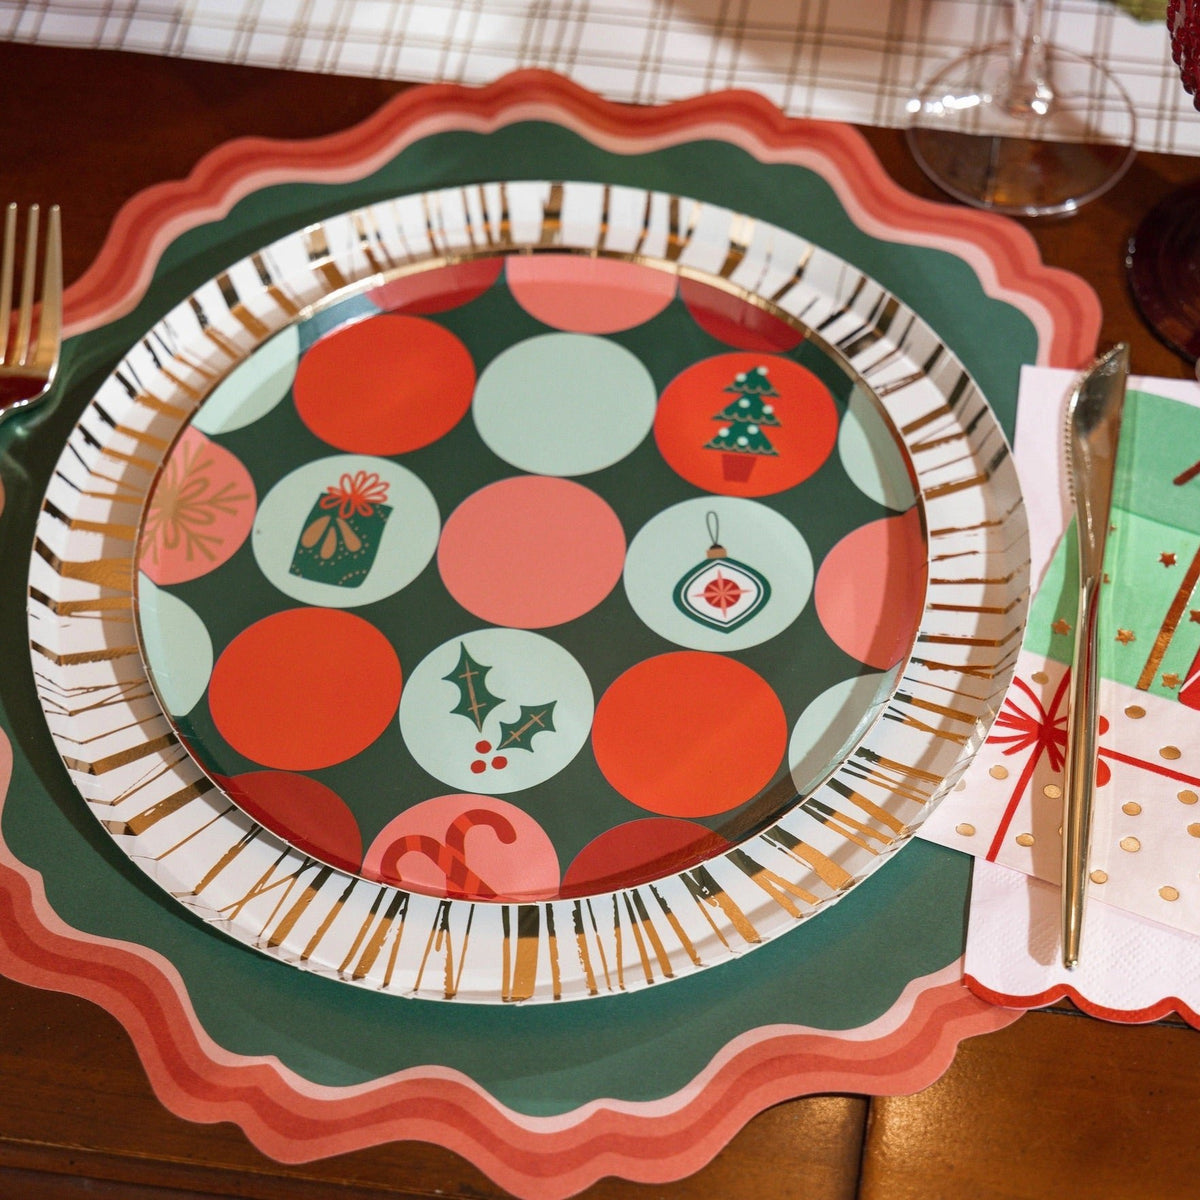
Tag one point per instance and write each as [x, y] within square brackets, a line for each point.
[1022, 127]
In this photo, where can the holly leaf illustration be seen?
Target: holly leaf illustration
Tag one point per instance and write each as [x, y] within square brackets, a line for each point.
[474, 699]
[534, 718]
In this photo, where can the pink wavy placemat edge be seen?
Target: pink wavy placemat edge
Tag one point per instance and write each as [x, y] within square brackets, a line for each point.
[1064, 309]
[1164, 1007]
[291, 1118]
[538, 1158]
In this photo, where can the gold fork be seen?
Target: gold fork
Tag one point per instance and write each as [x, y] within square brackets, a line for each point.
[29, 344]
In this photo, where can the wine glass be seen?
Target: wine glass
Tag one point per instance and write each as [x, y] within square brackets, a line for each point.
[1163, 259]
[1022, 127]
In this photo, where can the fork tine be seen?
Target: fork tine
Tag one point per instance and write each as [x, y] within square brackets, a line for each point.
[50, 319]
[31, 324]
[6, 276]
[25, 307]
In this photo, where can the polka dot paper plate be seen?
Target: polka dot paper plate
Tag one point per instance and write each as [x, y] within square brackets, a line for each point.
[543, 590]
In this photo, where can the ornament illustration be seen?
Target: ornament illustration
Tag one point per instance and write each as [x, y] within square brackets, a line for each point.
[721, 592]
[740, 437]
[342, 532]
[476, 702]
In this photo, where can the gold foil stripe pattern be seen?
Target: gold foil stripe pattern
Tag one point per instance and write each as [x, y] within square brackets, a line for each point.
[149, 794]
[76, 658]
[1170, 622]
[123, 758]
[149, 817]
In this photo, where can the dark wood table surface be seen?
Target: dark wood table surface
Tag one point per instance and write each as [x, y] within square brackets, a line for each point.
[1057, 1105]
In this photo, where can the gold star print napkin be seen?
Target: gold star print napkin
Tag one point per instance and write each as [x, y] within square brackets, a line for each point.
[1146, 837]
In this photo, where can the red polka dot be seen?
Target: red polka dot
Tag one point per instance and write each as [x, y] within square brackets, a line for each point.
[386, 385]
[871, 588]
[801, 433]
[639, 851]
[531, 551]
[689, 734]
[438, 290]
[304, 812]
[735, 321]
[588, 295]
[305, 688]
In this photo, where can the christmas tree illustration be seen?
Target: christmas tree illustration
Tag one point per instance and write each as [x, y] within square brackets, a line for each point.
[740, 437]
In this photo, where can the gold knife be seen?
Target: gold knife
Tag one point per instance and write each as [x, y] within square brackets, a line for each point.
[1093, 427]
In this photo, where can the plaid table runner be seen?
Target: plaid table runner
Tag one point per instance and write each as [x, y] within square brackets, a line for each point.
[854, 60]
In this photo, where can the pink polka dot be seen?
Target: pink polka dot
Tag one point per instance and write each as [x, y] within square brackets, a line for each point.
[467, 846]
[588, 295]
[200, 511]
[871, 587]
[531, 551]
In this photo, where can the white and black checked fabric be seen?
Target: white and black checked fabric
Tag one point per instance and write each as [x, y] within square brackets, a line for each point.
[851, 60]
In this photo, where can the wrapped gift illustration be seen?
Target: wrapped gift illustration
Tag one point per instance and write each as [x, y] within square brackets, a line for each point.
[1146, 838]
[1150, 620]
[340, 536]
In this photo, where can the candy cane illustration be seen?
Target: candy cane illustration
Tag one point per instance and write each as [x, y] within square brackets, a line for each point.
[450, 856]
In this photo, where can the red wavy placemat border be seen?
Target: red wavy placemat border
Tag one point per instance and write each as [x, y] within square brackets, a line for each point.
[291, 1118]
[1063, 308]
[536, 1158]
[1165, 1007]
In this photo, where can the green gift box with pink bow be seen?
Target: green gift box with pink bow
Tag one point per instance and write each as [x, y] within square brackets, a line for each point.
[340, 537]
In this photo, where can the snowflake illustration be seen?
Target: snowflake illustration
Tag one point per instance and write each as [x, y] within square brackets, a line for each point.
[186, 505]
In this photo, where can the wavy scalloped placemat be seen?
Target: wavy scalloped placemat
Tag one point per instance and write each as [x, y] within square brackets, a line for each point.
[544, 1101]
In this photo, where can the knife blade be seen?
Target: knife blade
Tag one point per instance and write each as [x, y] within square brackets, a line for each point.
[1092, 432]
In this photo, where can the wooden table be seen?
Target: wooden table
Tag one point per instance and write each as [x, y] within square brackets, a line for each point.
[1056, 1105]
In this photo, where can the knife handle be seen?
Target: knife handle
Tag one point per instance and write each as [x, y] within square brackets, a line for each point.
[1079, 781]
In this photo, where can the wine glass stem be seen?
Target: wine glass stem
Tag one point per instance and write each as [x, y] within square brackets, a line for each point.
[1027, 92]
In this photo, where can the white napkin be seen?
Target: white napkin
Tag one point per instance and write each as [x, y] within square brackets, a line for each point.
[858, 60]
[1141, 951]
[1131, 969]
